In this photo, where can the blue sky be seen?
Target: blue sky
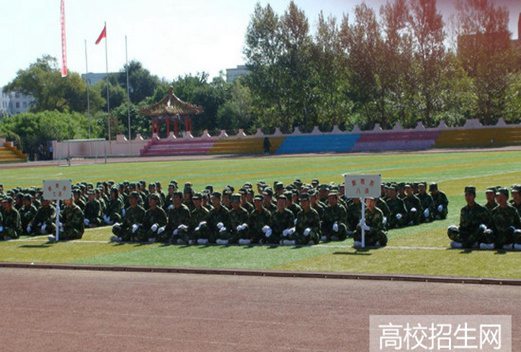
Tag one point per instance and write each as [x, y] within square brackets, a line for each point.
[170, 37]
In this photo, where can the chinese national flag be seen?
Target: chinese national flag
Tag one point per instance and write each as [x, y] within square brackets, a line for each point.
[102, 35]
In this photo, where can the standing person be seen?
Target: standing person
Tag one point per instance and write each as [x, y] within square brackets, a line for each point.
[266, 145]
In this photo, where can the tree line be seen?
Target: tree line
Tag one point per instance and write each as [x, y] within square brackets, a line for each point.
[402, 63]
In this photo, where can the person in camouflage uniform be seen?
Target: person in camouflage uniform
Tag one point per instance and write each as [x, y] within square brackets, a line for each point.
[112, 212]
[244, 201]
[399, 215]
[308, 223]
[516, 198]
[258, 220]
[474, 224]
[292, 202]
[27, 212]
[490, 195]
[413, 206]
[441, 203]
[199, 232]
[71, 222]
[506, 222]
[178, 221]
[282, 227]
[76, 193]
[239, 222]
[268, 200]
[427, 203]
[154, 223]
[315, 204]
[375, 235]
[129, 228]
[334, 226]
[10, 226]
[219, 221]
[92, 211]
[44, 220]
[354, 214]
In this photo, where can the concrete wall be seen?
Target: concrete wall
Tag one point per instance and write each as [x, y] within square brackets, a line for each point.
[473, 134]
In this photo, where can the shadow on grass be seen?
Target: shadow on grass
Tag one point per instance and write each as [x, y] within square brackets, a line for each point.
[365, 252]
[41, 246]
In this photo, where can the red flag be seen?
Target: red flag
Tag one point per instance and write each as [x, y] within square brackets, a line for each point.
[64, 70]
[102, 35]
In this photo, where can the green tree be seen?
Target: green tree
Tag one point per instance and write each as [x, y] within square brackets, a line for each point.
[237, 111]
[42, 80]
[142, 84]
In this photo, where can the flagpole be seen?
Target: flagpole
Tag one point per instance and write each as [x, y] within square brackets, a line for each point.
[107, 80]
[128, 91]
[88, 88]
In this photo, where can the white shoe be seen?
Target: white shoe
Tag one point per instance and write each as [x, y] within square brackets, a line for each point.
[51, 238]
[357, 244]
[311, 243]
[288, 242]
[323, 238]
[191, 242]
[508, 247]
[517, 247]
[486, 246]
[115, 239]
[456, 245]
[244, 242]
[151, 240]
[222, 242]
[202, 241]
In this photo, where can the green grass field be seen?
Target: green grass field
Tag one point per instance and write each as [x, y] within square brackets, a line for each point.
[414, 250]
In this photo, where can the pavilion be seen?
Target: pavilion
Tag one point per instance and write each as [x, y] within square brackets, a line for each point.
[171, 109]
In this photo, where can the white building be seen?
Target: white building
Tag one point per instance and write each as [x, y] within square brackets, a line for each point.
[233, 73]
[12, 103]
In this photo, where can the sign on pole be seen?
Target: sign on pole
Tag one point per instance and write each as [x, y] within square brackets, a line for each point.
[363, 186]
[57, 190]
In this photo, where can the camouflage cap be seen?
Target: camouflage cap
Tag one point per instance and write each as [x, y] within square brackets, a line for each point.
[27, 197]
[267, 192]
[516, 189]
[490, 190]
[470, 190]
[134, 195]
[258, 197]
[433, 187]
[177, 194]
[197, 196]
[279, 186]
[502, 191]
[217, 195]
[236, 197]
[282, 196]
[154, 196]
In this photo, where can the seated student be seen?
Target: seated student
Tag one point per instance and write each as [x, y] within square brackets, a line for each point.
[129, 228]
[375, 235]
[396, 205]
[112, 213]
[474, 224]
[354, 214]
[506, 222]
[282, 228]
[219, 221]
[92, 210]
[427, 203]
[10, 224]
[71, 222]
[199, 232]
[259, 221]
[27, 212]
[308, 223]
[441, 203]
[516, 198]
[154, 223]
[178, 221]
[44, 222]
[413, 206]
[239, 221]
[334, 226]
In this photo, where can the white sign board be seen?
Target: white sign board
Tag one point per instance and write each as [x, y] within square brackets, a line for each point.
[363, 186]
[57, 189]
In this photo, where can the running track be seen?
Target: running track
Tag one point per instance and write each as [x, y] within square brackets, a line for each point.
[62, 310]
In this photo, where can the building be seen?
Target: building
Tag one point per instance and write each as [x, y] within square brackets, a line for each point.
[233, 73]
[92, 78]
[12, 103]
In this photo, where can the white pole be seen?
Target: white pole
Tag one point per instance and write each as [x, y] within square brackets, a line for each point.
[128, 89]
[107, 80]
[363, 222]
[57, 220]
